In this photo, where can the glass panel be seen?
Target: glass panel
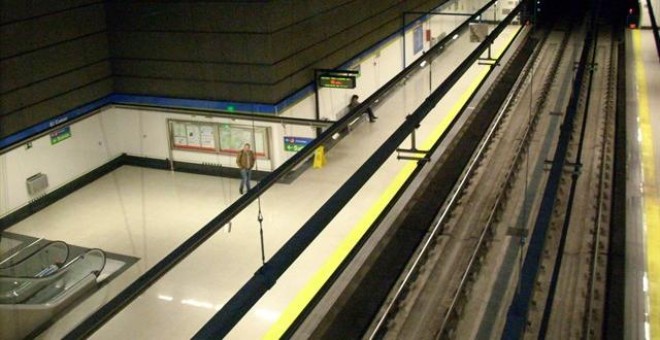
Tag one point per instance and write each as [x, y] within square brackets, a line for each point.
[50, 281]
[37, 262]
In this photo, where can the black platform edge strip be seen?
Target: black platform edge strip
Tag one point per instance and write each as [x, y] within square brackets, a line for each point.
[357, 304]
[616, 258]
[46, 200]
[266, 276]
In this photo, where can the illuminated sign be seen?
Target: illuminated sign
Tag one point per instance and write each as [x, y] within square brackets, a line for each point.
[337, 81]
[295, 144]
[60, 135]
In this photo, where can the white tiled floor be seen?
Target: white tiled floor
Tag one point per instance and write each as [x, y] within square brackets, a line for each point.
[147, 213]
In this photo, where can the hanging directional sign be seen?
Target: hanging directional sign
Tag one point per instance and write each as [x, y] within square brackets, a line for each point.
[296, 144]
[338, 79]
[337, 82]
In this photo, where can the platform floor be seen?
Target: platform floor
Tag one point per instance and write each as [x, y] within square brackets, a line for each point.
[146, 213]
[643, 220]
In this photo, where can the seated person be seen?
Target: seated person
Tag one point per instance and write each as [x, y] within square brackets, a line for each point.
[355, 102]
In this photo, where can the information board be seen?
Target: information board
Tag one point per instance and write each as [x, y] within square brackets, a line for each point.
[233, 137]
[218, 137]
[193, 135]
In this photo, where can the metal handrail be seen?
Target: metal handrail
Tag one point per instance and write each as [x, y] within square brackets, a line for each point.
[597, 232]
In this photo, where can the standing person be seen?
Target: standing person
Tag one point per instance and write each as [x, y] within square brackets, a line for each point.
[355, 102]
[245, 161]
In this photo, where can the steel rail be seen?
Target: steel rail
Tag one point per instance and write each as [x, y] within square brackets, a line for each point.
[599, 209]
[516, 322]
[589, 67]
[501, 196]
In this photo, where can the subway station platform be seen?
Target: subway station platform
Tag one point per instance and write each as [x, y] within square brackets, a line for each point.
[145, 213]
[643, 208]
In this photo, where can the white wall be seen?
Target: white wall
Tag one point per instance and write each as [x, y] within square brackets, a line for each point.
[144, 133]
[85, 150]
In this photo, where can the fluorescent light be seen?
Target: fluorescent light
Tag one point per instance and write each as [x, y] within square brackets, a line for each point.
[267, 314]
[455, 37]
[645, 283]
[195, 303]
[423, 63]
[165, 297]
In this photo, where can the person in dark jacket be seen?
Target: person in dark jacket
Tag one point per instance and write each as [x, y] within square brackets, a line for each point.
[355, 102]
[245, 161]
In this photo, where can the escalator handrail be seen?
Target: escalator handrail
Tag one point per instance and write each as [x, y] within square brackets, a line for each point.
[34, 253]
[18, 252]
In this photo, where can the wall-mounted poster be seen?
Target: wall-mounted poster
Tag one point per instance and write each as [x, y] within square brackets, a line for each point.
[207, 137]
[179, 137]
[192, 132]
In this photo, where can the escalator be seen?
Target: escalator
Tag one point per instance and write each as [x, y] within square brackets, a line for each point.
[39, 281]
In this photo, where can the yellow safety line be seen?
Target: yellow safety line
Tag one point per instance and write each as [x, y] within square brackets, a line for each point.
[651, 206]
[332, 263]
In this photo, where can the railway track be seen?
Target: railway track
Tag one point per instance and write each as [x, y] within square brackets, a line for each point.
[444, 271]
[470, 250]
[575, 308]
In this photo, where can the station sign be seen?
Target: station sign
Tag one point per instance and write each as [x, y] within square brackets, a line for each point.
[295, 144]
[60, 135]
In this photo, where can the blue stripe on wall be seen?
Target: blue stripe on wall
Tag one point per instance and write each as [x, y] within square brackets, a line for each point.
[51, 123]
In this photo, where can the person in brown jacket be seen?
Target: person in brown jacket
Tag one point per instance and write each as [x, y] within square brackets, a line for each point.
[245, 161]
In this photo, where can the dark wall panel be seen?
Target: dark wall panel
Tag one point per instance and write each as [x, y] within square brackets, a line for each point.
[15, 10]
[50, 88]
[196, 89]
[191, 46]
[54, 57]
[48, 109]
[271, 45]
[31, 68]
[190, 16]
[30, 35]
[205, 72]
